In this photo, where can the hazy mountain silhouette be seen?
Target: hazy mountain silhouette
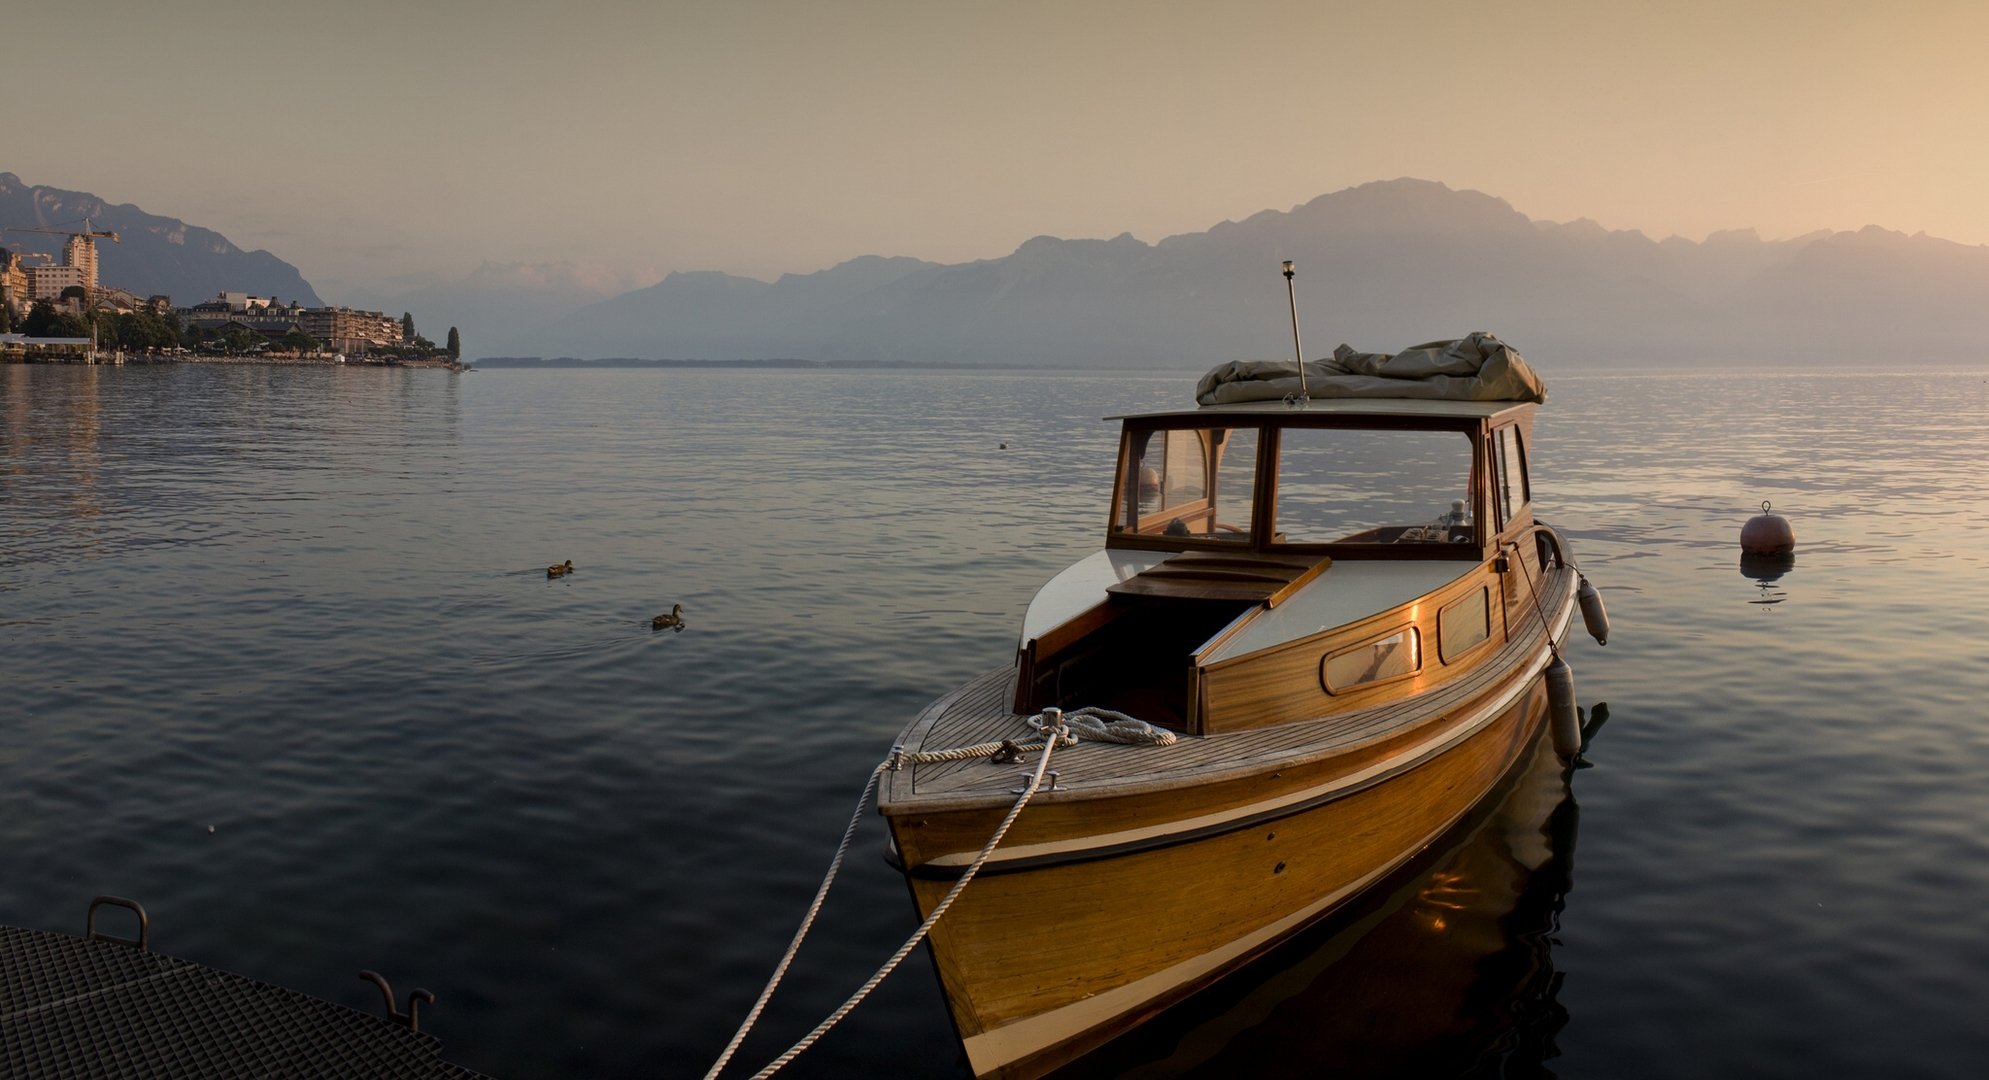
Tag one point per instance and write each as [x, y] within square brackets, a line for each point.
[1381, 266]
[707, 314]
[499, 301]
[156, 254]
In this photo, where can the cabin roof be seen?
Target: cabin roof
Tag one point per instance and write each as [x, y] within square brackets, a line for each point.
[1346, 407]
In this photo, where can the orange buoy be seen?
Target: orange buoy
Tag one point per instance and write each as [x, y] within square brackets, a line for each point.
[1767, 534]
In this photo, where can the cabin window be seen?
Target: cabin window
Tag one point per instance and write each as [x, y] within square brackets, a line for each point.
[1349, 486]
[1189, 483]
[1378, 660]
[1463, 625]
[1509, 493]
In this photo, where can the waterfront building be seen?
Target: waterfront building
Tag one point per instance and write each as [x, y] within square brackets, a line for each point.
[47, 282]
[229, 311]
[349, 330]
[80, 253]
[338, 329]
[20, 348]
[14, 294]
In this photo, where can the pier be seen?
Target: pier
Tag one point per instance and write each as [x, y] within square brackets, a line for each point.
[103, 1006]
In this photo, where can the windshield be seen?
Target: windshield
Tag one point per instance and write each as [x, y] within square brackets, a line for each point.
[1349, 486]
[1188, 482]
[1333, 485]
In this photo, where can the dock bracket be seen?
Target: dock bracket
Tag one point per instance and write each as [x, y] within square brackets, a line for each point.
[412, 1019]
[143, 943]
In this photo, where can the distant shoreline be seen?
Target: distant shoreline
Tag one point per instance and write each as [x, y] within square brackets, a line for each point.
[110, 360]
[774, 363]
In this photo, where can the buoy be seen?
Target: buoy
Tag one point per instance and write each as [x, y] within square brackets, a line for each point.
[1593, 614]
[1767, 534]
[1561, 714]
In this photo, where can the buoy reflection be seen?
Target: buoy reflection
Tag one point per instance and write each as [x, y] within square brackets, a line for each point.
[1765, 569]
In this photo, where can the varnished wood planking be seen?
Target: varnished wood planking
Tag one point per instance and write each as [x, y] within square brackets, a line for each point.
[1087, 818]
[977, 713]
[1020, 944]
[1282, 684]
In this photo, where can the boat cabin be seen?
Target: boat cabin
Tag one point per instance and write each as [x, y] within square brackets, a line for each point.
[1224, 516]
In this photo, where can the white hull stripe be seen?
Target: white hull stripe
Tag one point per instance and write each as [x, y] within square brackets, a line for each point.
[1150, 836]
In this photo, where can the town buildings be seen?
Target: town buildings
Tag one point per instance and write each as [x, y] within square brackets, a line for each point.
[336, 329]
[21, 283]
[350, 330]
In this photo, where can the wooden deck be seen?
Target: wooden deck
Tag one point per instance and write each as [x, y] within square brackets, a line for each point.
[979, 712]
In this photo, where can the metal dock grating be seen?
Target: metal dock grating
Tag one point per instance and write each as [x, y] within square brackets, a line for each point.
[98, 1007]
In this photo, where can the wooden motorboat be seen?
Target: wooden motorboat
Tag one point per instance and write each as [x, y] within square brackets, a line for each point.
[1341, 609]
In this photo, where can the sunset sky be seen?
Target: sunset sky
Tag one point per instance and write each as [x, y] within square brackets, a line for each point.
[380, 146]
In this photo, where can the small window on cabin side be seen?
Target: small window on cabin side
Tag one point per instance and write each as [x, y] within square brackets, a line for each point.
[1509, 494]
[1393, 656]
[1463, 625]
[1188, 482]
[1353, 486]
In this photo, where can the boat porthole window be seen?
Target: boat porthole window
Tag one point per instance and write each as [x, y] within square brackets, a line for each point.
[1391, 656]
[1463, 625]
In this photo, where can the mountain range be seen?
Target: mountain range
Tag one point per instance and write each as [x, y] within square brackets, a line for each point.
[154, 255]
[1380, 266]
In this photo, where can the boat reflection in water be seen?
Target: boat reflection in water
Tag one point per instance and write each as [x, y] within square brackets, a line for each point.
[1446, 970]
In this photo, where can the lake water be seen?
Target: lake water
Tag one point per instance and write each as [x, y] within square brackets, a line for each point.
[282, 662]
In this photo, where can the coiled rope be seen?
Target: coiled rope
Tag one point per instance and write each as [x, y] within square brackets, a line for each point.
[1090, 722]
[1056, 729]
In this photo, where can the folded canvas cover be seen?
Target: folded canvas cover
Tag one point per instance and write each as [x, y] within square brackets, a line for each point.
[1475, 368]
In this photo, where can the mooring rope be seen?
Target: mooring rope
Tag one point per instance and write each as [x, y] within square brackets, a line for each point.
[807, 921]
[1056, 729]
[1533, 589]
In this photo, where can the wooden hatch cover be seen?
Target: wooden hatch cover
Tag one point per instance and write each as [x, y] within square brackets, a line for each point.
[1221, 575]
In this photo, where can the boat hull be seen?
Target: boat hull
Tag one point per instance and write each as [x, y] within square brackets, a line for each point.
[1046, 958]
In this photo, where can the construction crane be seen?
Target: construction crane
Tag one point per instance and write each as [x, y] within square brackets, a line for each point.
[80, 251]
[84, 231]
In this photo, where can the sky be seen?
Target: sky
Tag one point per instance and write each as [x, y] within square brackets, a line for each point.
[382, 146]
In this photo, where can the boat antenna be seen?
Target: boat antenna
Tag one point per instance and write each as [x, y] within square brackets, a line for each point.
[1298, 351]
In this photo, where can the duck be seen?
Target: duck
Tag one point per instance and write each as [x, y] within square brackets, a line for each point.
[560, 570]
[672, 621]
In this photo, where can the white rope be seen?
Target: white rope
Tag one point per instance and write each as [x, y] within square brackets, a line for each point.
[1119, 728]
[807, 921]
[925, 927]
[1056, 730]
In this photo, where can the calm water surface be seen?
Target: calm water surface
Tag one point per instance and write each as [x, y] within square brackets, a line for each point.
[281, 661]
